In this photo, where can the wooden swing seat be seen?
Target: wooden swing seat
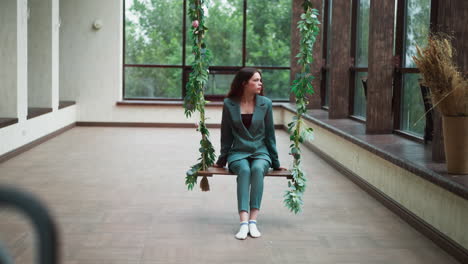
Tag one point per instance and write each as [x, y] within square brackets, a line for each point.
[225, 171]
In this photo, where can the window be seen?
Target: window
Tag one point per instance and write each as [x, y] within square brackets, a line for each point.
[327, 37]
[153, 49]
[361, 48]
[415, 30]
[157, 48]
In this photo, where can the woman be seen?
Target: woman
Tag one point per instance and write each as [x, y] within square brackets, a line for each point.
[248, 144]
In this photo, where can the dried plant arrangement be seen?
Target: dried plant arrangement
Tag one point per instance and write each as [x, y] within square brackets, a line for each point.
[448, 86]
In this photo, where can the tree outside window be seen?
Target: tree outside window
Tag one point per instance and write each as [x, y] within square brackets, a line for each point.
[417, 20]
[154, 63]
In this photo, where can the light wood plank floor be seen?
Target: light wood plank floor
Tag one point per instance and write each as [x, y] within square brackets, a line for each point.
[118, 195]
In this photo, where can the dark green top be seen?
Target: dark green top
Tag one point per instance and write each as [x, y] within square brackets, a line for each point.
[238, 142]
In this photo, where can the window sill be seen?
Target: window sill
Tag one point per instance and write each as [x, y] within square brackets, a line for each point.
[407, 154]
[37, 111]
[4, 122]
[159, 103]
[63, 104]
[171, 103]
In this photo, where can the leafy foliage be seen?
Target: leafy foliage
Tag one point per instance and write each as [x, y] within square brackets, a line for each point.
[301, 87]
[194, 99]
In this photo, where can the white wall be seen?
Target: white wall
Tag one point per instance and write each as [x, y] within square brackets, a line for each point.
[28, 130]
[40, 53]
[8, 58]
[90, 60]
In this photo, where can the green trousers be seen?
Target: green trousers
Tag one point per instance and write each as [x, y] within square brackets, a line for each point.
[250, 174]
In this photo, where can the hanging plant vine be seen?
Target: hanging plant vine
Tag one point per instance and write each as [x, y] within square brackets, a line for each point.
[194, 99]
[301, 87]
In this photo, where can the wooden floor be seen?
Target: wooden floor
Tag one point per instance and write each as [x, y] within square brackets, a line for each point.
[118, 195]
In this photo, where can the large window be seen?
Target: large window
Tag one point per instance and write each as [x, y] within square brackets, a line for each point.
[361, 48]
[327, 37]
[157, 48]
[415, 30]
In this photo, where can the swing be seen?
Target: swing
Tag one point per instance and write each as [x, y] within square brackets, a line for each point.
[194, 101]
[224, 171]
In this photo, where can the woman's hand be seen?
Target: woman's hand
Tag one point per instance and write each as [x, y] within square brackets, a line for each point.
[217, 166]
[281, 169]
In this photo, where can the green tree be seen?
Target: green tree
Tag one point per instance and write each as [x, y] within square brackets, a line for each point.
[153, 35]
[417, 18]
[153, 31]
[269, 43]
[224, 20]
[362, 56]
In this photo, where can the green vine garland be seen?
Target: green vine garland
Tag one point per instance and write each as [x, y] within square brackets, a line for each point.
[301, 87]
[194, 99]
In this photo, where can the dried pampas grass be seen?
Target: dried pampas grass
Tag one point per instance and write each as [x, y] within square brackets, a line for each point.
[449, 88]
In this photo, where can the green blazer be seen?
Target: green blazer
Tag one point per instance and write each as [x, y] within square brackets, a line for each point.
[238, 142]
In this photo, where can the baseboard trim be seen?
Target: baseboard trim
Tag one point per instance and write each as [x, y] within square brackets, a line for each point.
[140, 124]
[160, 125]
[440, 239]
[34, 143]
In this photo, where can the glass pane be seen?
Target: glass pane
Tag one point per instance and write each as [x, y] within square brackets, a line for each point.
[276, 83]
[153, 32]
[328, 45]
[417, 19]
[395, 20]
[224, 19]
[412, 107]
[327, 88]
[219, 84]
[329, 29]
[362, 33]
[153, 82]
[359, 95]
[269, 33]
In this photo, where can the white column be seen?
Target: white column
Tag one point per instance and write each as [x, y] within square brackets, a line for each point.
[22, 59]
[40, 53]
[119, 96]
[55, 53]
[8, 60]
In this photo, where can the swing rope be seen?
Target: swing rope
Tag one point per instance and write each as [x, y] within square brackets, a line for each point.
[301, 88]
[195, 99]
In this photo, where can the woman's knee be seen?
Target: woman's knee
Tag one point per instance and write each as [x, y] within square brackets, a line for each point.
[259, 168]
[244, 169]
[241, 167]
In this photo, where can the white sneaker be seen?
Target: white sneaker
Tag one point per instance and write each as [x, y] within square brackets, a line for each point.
[243, 231]
[253, 230]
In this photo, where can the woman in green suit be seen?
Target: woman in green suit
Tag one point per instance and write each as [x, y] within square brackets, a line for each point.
[248, 144]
